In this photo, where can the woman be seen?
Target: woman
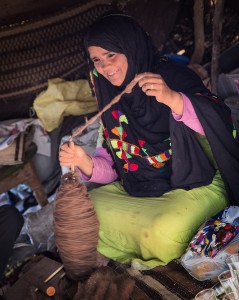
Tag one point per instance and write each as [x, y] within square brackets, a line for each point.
[162, 181]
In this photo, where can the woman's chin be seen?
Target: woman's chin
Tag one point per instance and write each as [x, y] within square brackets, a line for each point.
[116, 81]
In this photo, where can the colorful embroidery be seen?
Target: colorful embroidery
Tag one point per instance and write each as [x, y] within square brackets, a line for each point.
[126, 151]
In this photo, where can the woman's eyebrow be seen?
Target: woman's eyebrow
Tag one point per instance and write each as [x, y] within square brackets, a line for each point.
[103, 54]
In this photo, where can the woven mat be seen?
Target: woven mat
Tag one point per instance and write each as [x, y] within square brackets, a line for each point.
[170, 282]
[112, 282]
[36, 50]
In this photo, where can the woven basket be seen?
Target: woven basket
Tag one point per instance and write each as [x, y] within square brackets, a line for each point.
[34, 51]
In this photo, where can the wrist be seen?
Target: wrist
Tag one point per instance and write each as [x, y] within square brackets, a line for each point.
[86, 165]
[176, 104]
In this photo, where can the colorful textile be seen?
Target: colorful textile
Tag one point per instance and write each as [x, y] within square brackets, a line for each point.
[216, 232]
[103, 160]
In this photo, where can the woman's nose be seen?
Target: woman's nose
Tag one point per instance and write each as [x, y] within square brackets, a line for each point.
[104, 64]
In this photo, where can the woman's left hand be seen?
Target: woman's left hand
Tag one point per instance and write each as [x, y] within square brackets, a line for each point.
[154, 85]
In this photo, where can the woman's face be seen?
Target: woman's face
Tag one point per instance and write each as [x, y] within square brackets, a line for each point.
[113, 66]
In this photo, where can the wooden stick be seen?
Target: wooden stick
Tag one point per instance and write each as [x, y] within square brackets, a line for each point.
[72, 147]
[216, 38]
[199, 38]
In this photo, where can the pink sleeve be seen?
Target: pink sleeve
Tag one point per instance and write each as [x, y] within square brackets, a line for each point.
[102, 170]
[189, 117]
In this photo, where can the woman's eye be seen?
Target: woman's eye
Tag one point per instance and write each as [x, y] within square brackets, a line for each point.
[111, 54]
[95, 60]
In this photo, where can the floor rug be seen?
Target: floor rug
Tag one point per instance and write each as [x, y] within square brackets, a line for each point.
[112, 282]
[171, 282]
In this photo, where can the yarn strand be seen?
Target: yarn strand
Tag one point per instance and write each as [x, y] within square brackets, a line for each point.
[115, 100]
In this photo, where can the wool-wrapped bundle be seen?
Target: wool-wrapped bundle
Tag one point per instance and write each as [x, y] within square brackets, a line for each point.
[76, 227]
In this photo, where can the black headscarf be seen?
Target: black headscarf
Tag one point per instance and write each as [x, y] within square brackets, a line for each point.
[121, 34]
[147, 125]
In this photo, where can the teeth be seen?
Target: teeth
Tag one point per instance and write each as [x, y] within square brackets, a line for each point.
[111, 74]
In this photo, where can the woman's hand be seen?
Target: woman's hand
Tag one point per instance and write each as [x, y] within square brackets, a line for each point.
[154, 85]
[71, 154]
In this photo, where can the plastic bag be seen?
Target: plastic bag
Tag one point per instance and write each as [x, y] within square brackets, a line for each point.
[205, 265]
[63, 98]
[39, 227]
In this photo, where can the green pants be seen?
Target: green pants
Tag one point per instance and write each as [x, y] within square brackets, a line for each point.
[148, 232]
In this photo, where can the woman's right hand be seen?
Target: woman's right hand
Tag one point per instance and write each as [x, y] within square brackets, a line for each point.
[154, 85]
[71, 154]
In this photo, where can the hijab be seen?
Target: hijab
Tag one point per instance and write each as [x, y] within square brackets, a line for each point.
[121, 34]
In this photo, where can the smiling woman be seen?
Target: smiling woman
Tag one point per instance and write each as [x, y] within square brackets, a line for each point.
[113, 66]
[158, 153]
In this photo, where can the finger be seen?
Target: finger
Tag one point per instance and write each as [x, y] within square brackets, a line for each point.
[144, 75]
[66, 158]
[150, 87]
[151, 80]
[64, 155]
[65, 161]
[150, 93]
[65, 147]
[139, 76]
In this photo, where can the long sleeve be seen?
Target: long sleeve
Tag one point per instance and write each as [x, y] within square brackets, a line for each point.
[189, 117]
[103, 171]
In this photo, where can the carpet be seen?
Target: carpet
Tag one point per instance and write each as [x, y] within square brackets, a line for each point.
[171, 282]
[112, 282]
